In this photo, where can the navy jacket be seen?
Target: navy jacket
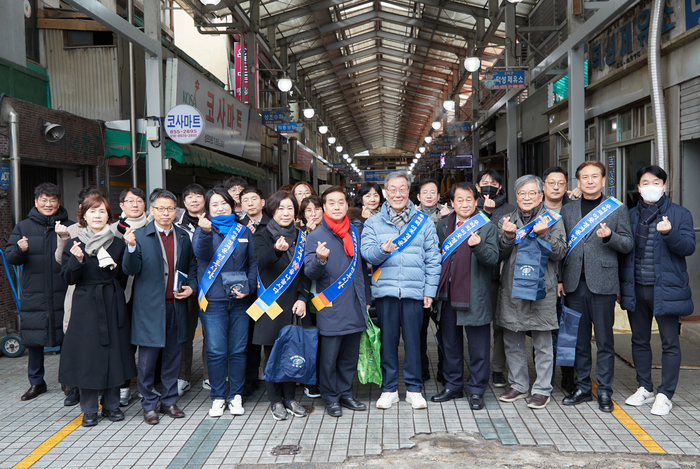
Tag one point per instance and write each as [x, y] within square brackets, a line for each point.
[348, 314]
[242, 259]
[672, 294]
[147, 266]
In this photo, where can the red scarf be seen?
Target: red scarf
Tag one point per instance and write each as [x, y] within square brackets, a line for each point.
[342, 229]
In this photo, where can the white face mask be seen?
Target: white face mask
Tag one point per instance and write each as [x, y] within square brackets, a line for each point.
[651, 194]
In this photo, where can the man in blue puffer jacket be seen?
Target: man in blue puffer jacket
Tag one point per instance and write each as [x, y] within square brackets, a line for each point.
[654, 283]
[408, 282]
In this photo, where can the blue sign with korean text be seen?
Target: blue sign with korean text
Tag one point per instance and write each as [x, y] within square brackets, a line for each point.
[274, 117]
[692, 13]
[508, 79]
[443, 147]
[5, 176]
[376, 175]
[460, 127]
[289, 127]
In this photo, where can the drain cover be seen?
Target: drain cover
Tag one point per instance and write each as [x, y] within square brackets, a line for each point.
[284, 450]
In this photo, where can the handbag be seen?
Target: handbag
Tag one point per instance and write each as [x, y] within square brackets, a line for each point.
[530, 264]
[568, 335]
[235, 282]
[369, 363]
[293, 356]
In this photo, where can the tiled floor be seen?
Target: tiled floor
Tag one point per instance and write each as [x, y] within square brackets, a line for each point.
[200, 441]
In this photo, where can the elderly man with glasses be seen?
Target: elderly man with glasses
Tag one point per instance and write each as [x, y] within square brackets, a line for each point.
[402, 245]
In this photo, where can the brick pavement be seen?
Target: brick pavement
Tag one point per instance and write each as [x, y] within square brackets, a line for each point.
[199, 441]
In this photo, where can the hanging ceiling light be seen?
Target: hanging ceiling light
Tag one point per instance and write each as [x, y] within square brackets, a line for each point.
[472, 64]
[209, 2]
[418, 155]
[339, 148]
[415, 160]
[515, 1]
[284, 84]
[435, 125]
[309, 112]
[331, 140]
[323, 129]
[448, 104]
[421, 149]
[428, 139]
[346, 156]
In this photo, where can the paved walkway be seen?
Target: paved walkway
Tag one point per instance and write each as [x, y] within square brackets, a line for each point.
[44, 433]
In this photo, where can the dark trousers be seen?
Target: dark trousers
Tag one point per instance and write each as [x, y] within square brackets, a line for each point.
[89, 399]
[400, 318]
[498, 362]
[337, 365]
[35, 365]
[277, 392]
[172, 356]
[252, 356]
[479, 342]
[598, 311]
[187, 348]
[424, 363]
[640, 323]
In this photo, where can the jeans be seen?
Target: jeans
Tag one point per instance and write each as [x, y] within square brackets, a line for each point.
[225, 325]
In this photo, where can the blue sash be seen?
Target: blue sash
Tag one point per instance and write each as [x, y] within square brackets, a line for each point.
[590, 221]
[460, 235]
[267, 300]
[548, 216]
[404, 239]
[217, 263]
[333, 291]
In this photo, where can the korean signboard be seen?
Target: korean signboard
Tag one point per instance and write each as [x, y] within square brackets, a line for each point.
[184, 124]
[505, 79]
[376, 176]
[459, 127]
[303, 158]
[227, 120]
[288, 128]
[274, 117]
[627, 38]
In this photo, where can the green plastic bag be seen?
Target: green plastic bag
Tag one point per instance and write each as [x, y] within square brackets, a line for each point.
[369, 364]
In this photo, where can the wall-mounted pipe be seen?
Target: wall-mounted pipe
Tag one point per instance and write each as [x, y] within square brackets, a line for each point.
[14, 167]
[657, 90]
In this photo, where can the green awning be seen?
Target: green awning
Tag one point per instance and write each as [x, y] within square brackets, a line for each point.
[117, 144]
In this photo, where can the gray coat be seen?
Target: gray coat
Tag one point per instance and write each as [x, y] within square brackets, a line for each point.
[602, 276]
[523, 315]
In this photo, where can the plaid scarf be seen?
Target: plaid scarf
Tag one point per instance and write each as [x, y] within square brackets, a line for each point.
[399, 219]
[647, 216]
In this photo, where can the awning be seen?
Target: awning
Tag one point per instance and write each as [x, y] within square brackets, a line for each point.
[117, 144]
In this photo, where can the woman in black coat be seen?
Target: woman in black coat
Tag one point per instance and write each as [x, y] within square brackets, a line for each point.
[96, 353]
[274, 249]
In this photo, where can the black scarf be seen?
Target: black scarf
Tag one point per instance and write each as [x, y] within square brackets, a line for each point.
[647, 216]
[289, 233]
[527, 218]
[188, 219]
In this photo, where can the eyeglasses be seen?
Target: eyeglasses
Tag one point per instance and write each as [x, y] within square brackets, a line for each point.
[303, 194]
[556, 183]
[428, 192]
[134, 202]
[48, 201]
[164, 209]
[402, 191]
[528, 195]
[311, 211]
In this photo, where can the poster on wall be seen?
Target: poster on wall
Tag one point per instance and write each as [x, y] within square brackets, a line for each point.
[226, 118]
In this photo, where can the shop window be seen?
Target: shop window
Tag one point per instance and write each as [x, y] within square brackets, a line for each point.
[590, 137]
[610, 130]
[625, 126]
[649, 119]
[31, 33]
[590, 157]
[88, 38]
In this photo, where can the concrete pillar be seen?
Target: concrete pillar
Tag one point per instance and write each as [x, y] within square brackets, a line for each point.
[511, 114]
[155, 174]
[577, 117]
[281, 141]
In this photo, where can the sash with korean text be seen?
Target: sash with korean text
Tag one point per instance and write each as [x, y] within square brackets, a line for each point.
[590, 221]
[267, 300]
[333, 291]
[460, 235]
[548, 216]
[404, 239]
[217, 262]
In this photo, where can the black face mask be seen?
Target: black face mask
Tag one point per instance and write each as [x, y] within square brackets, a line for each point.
[489, 190]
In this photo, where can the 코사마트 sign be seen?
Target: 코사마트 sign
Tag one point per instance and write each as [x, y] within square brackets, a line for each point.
[184, 124]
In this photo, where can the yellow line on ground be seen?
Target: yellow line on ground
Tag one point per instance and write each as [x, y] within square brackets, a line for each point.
[644, 438]
[198, 333]
[46, 446]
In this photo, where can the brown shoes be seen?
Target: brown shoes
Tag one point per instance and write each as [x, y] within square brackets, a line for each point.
[150, 417]
[512, 395]
[172, 411]
[538, 401]
[34, 391]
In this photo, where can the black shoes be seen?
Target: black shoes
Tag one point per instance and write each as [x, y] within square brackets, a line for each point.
[334, 409]
[352, 404]
[605, 402]
[90, 420]
[249, 388]
[34, 391]
[446, 395]
[476, 401]
[73, 397]
[577, 397]
[499, 381]
[113, 415]
[312, 391]
[567, 384]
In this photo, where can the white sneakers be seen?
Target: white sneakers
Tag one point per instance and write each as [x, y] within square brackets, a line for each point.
[235, 406]
[416, 400]
[641, 397]
[206, 385]
[217, 408]
[662, 405]
[182, 386]
[387, 399]
[124, 396]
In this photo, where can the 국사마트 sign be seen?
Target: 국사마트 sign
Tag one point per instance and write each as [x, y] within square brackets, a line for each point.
[226, 119]
[184, 124]
[505, 79]
[376, 175]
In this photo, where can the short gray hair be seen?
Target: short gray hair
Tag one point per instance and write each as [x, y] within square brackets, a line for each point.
[397, 174]
[162, 194]
[527, 179]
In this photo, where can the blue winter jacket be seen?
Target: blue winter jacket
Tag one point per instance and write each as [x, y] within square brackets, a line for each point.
[672, 294]
[205, 244]
[415, 272]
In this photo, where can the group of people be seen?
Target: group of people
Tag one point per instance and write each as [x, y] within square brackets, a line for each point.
[246, 267]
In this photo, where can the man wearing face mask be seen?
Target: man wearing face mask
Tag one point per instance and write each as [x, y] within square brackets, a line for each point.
[492, 201]
[654, 284]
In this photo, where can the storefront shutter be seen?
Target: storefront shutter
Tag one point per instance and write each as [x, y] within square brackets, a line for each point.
[690, 109]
